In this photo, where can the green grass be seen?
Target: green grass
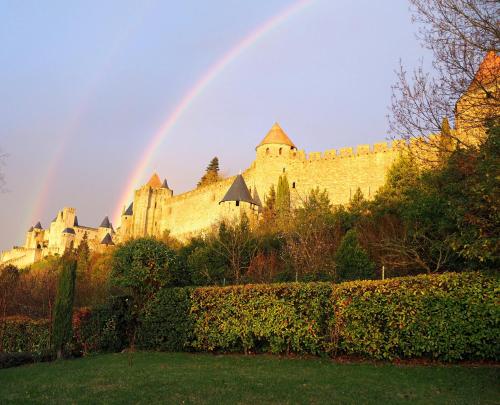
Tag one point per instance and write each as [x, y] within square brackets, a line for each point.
[204, 378]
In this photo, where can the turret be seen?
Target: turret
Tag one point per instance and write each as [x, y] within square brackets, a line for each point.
[275, 144]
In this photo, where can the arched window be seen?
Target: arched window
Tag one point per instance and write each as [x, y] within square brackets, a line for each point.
[237, 203]
[267, 151]
[281, 150]
[293, 185]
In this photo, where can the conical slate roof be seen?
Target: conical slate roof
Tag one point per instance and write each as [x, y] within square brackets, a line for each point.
[105, 223]
[256, 198]
[154, 181]
[75, 222]
[238, 191]
[31, 229]
[164, 184]
[107, 240]
[69, 230]
[276, 135]
[129, 210]
[38, 225]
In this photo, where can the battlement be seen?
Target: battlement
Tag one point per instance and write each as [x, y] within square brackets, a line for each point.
[352, 152]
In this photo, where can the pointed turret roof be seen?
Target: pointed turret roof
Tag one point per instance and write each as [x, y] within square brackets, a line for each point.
[107, 240]
[256, 198]
[276, 135]
[31, 229]
[238, 191]
[154, 181]
[75, 222]
[129, 210]
[105, 223]
[38, 225]
[164, 184]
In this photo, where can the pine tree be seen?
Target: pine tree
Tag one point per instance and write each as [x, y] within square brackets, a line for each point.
[211, 174]
[83, 256]
[63, 308]
[283, 196]
[352, 260]
[213, 166]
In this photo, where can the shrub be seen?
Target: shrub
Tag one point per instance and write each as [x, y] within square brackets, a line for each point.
[448, 317]
[105, 328]
[165, 323]
[22, 334]
[279, 318]
[352, 260]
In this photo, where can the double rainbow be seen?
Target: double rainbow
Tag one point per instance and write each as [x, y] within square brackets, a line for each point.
[191, 95]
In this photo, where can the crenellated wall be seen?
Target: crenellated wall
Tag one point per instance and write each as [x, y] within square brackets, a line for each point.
[341, 172]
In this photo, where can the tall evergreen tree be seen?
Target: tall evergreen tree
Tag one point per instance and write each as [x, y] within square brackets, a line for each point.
[211, 173]
[83, 256]
[63, 309]
[283, 196]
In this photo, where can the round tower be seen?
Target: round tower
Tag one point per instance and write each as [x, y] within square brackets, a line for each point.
[275, 144]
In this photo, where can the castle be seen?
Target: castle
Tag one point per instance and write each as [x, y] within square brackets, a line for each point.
[156, 210]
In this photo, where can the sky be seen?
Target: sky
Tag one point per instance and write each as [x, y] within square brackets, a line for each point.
[86, 85]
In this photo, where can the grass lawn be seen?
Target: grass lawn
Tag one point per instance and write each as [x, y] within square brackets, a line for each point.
[204, 378]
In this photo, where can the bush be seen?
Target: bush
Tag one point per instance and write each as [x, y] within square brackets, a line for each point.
[165, 323]
[448, 317]
[105, 328]
[352, 260]
[276, 318]
[22, 334]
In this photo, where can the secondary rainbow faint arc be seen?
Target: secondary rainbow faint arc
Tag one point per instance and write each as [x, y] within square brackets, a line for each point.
[195, 91]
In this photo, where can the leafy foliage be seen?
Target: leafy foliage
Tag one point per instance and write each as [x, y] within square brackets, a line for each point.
[22, 334]
[448, 317]
[352, 260]
[63, 310]
[166, 322]
[141, 267]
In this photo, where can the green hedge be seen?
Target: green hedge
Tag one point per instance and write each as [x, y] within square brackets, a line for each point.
[276, 318]
[104, 328]
[448, 317]
[165, 323]
[22, 334]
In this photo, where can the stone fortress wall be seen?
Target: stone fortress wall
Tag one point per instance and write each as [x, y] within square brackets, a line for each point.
[156, 210]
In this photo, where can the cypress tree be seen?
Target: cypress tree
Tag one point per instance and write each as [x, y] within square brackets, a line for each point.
[283, 196]
[211, 174]
[63, 309]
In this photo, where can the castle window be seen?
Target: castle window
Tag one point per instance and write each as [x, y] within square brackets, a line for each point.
[237, 203]
[155, 205]
[267, 151]
[293, 185]
[283, 170]
[281, 150]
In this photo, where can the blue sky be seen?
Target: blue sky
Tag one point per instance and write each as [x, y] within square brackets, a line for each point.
[103, 76]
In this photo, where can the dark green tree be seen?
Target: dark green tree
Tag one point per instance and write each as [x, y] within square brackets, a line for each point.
[211, 174]
[141, 267]
[283, 196]
[353, 262]
[63, 308]
[83, 256]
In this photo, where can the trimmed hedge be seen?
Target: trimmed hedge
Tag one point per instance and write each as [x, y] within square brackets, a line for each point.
[165, 323]
[22, 334]
[448, 317]
[276, 318]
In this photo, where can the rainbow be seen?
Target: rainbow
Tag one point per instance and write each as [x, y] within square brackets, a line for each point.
[191, 95]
